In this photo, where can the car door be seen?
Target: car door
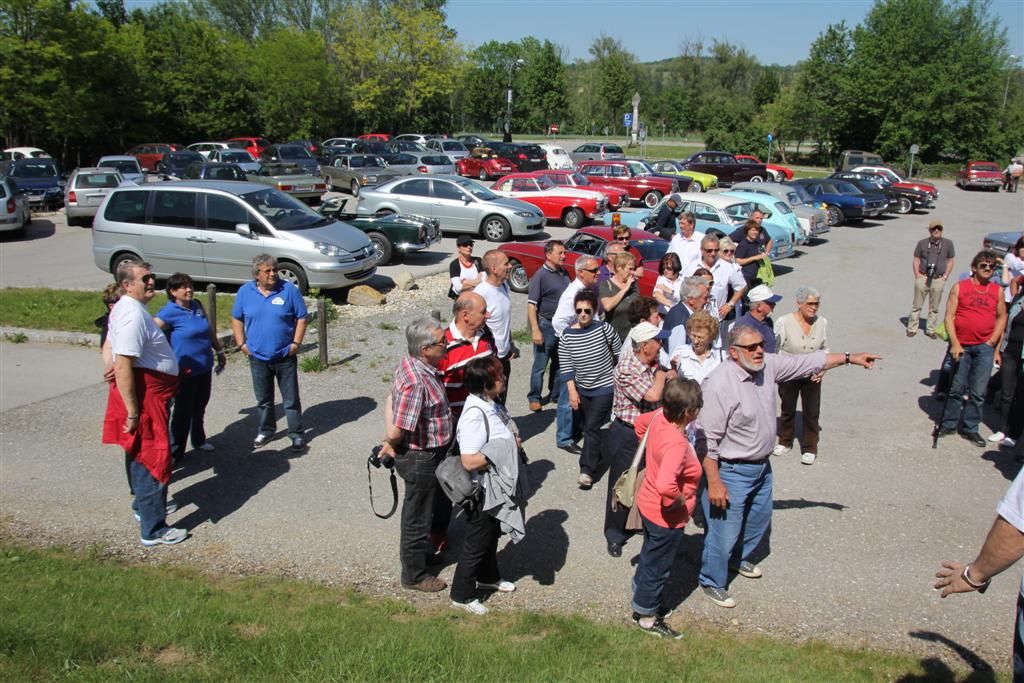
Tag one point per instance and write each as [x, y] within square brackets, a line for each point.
[450, 208]
[226, 254]
[413, 196]
[172, 241]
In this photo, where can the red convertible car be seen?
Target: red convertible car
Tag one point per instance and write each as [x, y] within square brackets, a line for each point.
[573, 206]
[484, 163]
[375, 137]
[568, 178]
[779, 173]
[979, 174]
[526, 258]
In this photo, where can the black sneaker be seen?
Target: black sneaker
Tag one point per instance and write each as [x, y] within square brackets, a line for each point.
[659, 628]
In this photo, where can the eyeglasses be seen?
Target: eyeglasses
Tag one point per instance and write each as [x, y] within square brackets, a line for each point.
[591, 270]
[441, 343]
[812, 303]
[146, 279]
[751, 347]
[935, 229]
[710, 251]
[986, 266]
[622, 239]
[728, 251]
[582, 311]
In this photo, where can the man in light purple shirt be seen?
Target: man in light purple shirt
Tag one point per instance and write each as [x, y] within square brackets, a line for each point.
[736, 434]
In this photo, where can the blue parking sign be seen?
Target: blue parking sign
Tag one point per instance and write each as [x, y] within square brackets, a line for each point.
[627, 120]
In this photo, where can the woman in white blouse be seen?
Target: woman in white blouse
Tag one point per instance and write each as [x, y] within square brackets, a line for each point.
[697, 359]
[669, 282]
[482, 420]
[803, 331]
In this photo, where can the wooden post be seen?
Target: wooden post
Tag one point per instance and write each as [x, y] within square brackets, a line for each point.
[321, 326]
[211, 306]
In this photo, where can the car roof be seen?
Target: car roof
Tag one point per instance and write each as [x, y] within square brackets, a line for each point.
[94, 169]
[119, 157]
[235, 187]
[719, 201]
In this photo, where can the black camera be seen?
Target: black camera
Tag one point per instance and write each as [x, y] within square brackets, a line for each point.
[930, 271]
[387, 461]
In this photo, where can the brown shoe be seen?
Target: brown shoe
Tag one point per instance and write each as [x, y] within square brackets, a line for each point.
[931, 335]
[911, 334]
[430, 584]
[535, 406]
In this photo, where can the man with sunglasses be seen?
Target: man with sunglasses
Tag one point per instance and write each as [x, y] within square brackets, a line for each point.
[736, 433]
[723, 276]
[975, 319]
[145, 379]
[933, 262]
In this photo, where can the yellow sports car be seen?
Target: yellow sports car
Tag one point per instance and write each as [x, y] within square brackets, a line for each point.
[702, 182]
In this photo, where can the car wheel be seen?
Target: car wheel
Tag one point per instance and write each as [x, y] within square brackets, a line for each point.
[840, 216]
[773, 176]
[72, 221]
[906, 206]
[496, 229]
[573, 218]
[293, 274]
[121, 258]
[381, 247]
[696, 186]
[328, 183]
[517, 278]
[355, 188]
[831, 216]
[384, 212]
[651, 199]
[482, 175]
[28, 217]
[756, 179]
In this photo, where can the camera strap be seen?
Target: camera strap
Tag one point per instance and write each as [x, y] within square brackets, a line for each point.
[394, 492]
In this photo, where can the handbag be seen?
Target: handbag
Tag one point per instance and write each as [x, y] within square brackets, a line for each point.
[455, 479]
[624, 491]
[765, 273]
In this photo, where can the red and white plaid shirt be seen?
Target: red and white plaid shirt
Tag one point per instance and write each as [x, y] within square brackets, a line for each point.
[420, 405]
[633, 379]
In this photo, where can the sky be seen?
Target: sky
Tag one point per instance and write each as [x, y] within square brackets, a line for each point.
[774, 31]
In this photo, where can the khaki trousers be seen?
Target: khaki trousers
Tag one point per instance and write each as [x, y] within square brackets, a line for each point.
[934, 294]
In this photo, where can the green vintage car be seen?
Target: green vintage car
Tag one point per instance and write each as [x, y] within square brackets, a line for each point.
[290, 178]
[389, 233]
[702, 182]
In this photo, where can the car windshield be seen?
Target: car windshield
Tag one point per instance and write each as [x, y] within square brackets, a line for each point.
[238, 144]
[236, 157]
[985, 167]
[366, 161]
[184, 158]
[739, 213]
[613, 149]
[783, 208]
[650, 249]
[532, 150]
[640, 168]
[87, 180]
[406, 146]
[402, 160]
[476, 189]
[284, 211]
[436, 160]
[294, 152]
[802, 193]
[794, 197]
[34, 170]
[124, 166]
[452, 145]
[544, 183]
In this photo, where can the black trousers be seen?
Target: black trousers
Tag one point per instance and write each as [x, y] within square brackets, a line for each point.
[189, 411]
[478, 561]
[809, 394]
[620, 446]
[506, 370]
[416, 468]
[1009, 378]
[596, 411]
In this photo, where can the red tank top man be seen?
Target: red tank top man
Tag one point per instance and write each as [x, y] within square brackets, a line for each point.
[975, 318]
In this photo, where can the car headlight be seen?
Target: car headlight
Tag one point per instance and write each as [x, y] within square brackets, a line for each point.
[525, 214]
[370, 179]
[328, 249]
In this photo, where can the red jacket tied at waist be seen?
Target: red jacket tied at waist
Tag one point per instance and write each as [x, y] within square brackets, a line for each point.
[150, 442]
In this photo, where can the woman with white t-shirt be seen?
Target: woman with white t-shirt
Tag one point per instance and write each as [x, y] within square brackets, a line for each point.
[669, 284]
[482, 420]
[466, 270]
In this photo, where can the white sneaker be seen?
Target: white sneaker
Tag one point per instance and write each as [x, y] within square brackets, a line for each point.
[473, 607]
[171, 508]
[1007, 442]
[997, 437]
[808, 458]
[781, 450]
[502, 586]
[206, 447]
[168, 536]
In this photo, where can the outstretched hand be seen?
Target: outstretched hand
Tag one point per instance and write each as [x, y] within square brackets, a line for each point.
[865, 360]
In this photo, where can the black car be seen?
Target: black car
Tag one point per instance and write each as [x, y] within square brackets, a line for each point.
[312, 145]
[901, 200]
[471, 141]
[174, 163]
[291, 154]
[214, 171]
[526, 157]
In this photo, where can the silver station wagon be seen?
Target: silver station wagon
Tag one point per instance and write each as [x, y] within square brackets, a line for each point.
[212, 229]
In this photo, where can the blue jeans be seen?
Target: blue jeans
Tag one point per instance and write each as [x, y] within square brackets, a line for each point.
[285, 370]
[655, 566]
[1018, 641]
[748, 515]
[567, 421]
[972, 377]
[150, 502]
[542, 353]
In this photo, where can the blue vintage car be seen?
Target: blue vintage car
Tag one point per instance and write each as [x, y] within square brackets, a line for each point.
[724, 213]
[845, 201]
[779, 213]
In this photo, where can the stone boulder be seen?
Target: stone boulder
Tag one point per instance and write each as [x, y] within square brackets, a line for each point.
[405, 281]
[364, 295]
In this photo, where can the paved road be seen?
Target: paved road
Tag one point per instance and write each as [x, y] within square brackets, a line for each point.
[855, 539]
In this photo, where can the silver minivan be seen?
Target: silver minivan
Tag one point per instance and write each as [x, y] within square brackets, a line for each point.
[212, 229]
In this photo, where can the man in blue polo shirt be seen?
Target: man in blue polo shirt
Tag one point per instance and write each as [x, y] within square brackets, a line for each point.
[269, 321]
[546, 287]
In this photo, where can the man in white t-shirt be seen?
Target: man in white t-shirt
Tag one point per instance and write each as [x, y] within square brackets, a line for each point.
[723, 273]
[495, 292]
[1003, 547]
[686, 243]
[145, 379]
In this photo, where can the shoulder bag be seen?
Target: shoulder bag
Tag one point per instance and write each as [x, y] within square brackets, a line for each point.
[455, 480]
[624, 491]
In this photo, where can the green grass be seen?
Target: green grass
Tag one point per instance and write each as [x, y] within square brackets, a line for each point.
[82, 616]
[74, 310]
[523, 336]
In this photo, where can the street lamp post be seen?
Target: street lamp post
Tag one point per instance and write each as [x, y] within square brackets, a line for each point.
[1006, 88]
[508, 100]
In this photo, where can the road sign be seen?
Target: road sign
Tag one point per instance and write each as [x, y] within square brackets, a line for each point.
[914, 149]
[770, 137]
[554, 127]
[627, 119]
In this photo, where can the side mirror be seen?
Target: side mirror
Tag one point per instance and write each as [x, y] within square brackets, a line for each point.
[466, 199]
[244, 230]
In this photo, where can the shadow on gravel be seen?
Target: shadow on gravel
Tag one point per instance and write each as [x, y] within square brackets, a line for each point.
[327, 416]
[685, 570]
[38, 229]
[936, 670]
[804, 503]
[532, 424]
[1005, 461]
[541, 554]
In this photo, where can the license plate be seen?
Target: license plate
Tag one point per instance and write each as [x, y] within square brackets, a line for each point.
[536, 161]
[302, 188]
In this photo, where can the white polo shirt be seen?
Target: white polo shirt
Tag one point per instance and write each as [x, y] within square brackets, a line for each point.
[499, 305]
[132, 332]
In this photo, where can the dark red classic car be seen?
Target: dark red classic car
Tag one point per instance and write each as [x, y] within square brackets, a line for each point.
[571, 205]
[635, 177]
[616, 196]
[726, 166]
[980, 174]
[485, 163]
[526, 258]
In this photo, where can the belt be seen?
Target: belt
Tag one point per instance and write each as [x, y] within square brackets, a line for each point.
[624, 423]
[437, 450]
[743, 461]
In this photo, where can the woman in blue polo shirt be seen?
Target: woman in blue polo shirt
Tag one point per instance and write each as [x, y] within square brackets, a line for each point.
[184, 321]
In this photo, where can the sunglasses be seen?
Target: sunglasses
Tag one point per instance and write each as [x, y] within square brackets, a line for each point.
[728, 251]
[591, 270]
[710, 251]
[751, 347]
[986, 266]
[935, 229]
[581, 311]
[146, 279]
[621, 239]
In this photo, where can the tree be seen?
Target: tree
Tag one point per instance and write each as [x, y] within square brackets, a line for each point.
[616, 80]
[542, 97]
[823, 86]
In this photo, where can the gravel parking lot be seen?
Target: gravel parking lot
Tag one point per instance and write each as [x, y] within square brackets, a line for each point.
[855, 541]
